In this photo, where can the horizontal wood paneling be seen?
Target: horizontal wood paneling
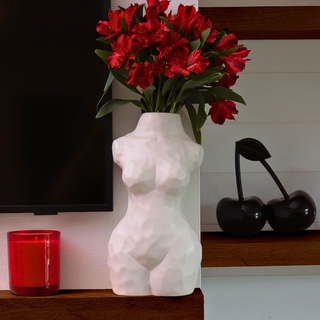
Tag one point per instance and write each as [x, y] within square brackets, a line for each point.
[276, 56]
[265, 249]
[267, 22]
[277, 97]
[214, 187]
[293, 147]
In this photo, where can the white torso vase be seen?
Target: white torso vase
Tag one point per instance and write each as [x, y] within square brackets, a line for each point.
[153, 250]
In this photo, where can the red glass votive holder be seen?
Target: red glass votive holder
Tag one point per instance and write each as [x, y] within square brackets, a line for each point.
[34, 262]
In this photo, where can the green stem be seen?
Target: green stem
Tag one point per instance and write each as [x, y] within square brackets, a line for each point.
[172, 92]
[159, 95]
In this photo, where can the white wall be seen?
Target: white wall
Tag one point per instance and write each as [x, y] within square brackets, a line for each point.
[281, 87]
[84, 236]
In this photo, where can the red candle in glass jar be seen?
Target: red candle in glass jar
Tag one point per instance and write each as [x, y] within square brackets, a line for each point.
[34, 262]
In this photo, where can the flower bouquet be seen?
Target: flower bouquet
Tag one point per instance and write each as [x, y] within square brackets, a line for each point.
[171, 61]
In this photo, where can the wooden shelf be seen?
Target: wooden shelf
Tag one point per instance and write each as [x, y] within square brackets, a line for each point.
[100, 305]
[265, 249]
[289, 22]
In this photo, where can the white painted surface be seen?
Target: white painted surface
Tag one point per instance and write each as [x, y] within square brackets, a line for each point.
[282, 94]
[262, 297]
[84, 236]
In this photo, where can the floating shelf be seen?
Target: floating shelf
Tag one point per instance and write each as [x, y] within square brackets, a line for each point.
[260, 23]
[100, 305]
[265, 249]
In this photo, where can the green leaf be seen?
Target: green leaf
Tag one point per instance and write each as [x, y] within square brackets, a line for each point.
[121, 8]
[202, 115]
[221, 34]
[206, 73]
[167, 86]
[103, 54]
[207, 95]
[108, 82]
[122, 80]
[111, 105]
[227, 94]
[124, 28]
[193, 119]
[140, 105]
[204, 36]
[148, 94]
[191, 84]
[138, 14]
[169, 25]
[229, 51]
[106, 87]
[101, 39]
[194, 45]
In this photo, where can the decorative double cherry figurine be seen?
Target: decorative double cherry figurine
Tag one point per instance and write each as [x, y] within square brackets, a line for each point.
[247, 216]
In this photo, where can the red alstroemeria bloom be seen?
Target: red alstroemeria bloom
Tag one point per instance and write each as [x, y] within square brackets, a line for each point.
[172, 40]
[175, 21]
[164, 4]
[148, 33]
[128, 15]
[188, 16]
[122, 52]
[226, 81]
[194, 63]
[221, 110]
[227, 42]
[234, 62]
[156, 8]
[204, 23]
[141, 75]
[164, 62]
[111, 28]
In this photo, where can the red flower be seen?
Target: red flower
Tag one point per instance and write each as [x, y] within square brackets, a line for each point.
[204, 23]
[147, 34]
[128, 16]
[188, 15]
[164, 4]
[111, 28]
[140, 75]
[164, 62]
[122, 52]
[172, 40]
[234, 62]
[221, 110]
[156, 8]
[194, 63]
[226, 81]
[227, 42]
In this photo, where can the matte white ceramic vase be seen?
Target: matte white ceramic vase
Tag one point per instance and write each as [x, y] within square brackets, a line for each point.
[153, 250]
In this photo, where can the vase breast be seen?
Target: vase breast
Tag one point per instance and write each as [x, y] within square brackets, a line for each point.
[153, 250]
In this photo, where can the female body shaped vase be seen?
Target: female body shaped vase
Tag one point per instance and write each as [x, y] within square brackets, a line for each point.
[153, 250]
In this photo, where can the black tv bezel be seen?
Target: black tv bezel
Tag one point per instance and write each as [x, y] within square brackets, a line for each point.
[107, 206]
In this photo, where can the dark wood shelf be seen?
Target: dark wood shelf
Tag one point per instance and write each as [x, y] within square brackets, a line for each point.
[265, 249]
[100, 305]
[254, 23]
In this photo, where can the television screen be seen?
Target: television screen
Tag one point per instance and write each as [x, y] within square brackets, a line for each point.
[54, 155]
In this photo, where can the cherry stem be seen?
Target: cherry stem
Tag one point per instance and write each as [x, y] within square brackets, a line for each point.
[238, 175]
[275, 178]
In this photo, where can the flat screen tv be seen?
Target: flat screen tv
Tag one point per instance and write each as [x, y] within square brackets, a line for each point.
[54, 155]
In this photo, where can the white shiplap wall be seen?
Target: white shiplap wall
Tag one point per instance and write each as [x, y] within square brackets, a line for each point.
[281, 85]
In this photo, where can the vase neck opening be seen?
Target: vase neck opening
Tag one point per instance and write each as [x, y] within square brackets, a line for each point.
[160, 123]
